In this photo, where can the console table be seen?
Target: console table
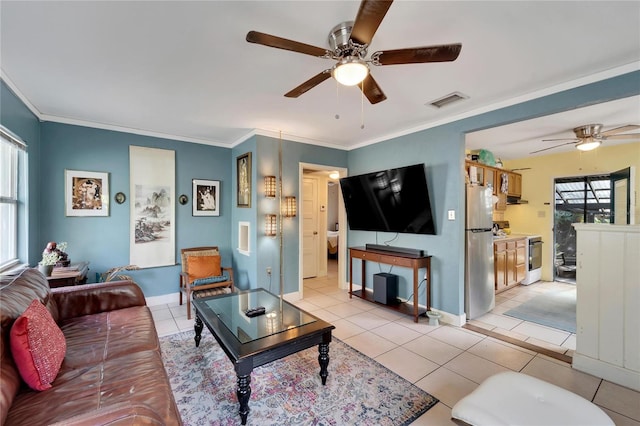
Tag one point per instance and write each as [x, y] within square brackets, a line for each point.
[74, 274]
[397, 259]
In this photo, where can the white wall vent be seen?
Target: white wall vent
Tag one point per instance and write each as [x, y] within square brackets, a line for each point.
[448, 99]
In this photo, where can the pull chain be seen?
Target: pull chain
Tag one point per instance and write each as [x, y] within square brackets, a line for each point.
[362, 105]
[337, 100]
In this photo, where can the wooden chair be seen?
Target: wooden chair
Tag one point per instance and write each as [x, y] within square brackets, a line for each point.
[202, 274]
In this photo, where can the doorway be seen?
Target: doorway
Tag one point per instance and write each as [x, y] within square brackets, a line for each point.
[322, 238]
[582, 199]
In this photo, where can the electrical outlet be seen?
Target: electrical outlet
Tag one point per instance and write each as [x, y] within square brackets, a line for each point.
[268, 270]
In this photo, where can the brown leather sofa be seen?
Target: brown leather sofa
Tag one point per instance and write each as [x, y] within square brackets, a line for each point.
[112, 372]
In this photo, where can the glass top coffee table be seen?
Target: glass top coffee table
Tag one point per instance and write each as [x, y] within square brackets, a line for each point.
[250, 342]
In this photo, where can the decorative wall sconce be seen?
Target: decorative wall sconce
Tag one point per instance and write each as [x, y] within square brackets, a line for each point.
[289, 209]
[270, 186]
[270, 225]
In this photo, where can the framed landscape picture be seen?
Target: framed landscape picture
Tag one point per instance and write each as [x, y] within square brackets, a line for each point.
[243, 166]
[206, 197]
[86, 193]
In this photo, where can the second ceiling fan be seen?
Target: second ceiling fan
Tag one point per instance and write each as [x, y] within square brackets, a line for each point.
[348, 43]
[590, 137]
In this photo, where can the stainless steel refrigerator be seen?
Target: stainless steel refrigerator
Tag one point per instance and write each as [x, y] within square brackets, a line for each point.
[479, 289]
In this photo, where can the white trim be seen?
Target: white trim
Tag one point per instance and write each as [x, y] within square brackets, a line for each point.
[452, 319]
[613, 373]
[614, 72]
[132, 130]
[19, 94]
[163, 299]
[244, 249]
[603, 75]
[342, 229]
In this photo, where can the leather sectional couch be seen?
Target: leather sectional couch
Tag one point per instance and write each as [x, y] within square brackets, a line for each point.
[112, 371]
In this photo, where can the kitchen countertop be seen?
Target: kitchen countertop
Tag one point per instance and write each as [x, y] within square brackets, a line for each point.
[510, 237]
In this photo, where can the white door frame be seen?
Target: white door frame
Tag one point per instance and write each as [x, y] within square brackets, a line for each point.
[342, 229]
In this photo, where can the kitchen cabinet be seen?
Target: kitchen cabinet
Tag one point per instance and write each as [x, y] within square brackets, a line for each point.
[509, 262]
[485, 175]
[492, 176]
[514, 187]
[500, 265]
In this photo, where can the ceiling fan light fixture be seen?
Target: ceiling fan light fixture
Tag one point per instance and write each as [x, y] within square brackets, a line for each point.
[350, 71]
[588, 144]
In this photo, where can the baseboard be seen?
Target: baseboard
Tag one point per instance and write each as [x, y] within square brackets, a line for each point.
[164, 299]
[610, 372]
[451, 319]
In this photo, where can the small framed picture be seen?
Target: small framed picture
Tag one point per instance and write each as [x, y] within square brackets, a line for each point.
[243, 165]
[206, 197]
[86, 193]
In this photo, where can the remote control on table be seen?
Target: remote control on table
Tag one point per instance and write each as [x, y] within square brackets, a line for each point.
[254, 312]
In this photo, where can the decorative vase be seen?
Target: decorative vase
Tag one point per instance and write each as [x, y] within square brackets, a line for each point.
[46, 270]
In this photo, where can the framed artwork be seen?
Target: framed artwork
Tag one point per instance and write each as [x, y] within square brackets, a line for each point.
[243, 168]
[86, 193]
[206, 197]
[152, 207]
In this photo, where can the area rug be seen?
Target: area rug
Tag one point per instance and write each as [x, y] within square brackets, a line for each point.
[555, 309]
[359, 390]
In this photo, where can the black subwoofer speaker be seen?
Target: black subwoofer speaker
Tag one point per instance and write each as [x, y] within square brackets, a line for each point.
[385, 288]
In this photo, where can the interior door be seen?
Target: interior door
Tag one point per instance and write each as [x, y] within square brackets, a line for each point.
[310, 227]
[621, 183]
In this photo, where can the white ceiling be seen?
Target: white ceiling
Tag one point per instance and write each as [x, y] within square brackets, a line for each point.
[183, 70]
[518, 140]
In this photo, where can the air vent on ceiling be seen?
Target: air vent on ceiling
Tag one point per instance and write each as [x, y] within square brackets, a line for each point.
[448, 99]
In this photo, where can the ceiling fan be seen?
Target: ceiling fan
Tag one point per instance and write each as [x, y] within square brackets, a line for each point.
[348, 43]
[590, 136]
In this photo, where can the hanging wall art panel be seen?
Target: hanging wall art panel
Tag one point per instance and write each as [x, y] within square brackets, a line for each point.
[152, 232]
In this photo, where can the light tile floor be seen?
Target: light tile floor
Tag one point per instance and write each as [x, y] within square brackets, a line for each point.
[550, 338]
[448, 362]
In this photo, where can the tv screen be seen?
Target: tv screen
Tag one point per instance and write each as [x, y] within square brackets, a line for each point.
[394, 200]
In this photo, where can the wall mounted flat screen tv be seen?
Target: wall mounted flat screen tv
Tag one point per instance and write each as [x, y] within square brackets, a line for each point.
[394, 200]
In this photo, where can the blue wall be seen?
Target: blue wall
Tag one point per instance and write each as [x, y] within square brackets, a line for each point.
[104, 241]
[15, 116]
[442, 152]
[266, 250]
[441, 149]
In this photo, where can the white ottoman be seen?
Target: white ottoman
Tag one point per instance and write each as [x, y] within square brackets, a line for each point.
[512, 398]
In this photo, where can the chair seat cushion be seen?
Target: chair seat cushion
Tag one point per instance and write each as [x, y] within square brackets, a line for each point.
[512, 398]
[211, 292]
[211, 280]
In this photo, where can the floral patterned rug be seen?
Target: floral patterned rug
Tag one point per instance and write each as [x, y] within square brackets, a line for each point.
[289, 391]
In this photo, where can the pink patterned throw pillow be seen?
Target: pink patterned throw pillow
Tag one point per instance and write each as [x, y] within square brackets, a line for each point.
[38, 346]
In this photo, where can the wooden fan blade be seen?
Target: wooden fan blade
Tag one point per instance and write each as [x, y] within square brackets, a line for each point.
[552, 147]
[283, 43]
[629, 137]
[371, 90]
[417, 55]
[368, 19]
[620, 130]
[309, 84]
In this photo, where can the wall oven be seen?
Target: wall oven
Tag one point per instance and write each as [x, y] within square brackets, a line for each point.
[534, 254]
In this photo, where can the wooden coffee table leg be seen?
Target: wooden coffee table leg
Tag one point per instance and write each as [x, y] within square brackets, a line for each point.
[243, 393]
[323, 359]
[198, 326]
